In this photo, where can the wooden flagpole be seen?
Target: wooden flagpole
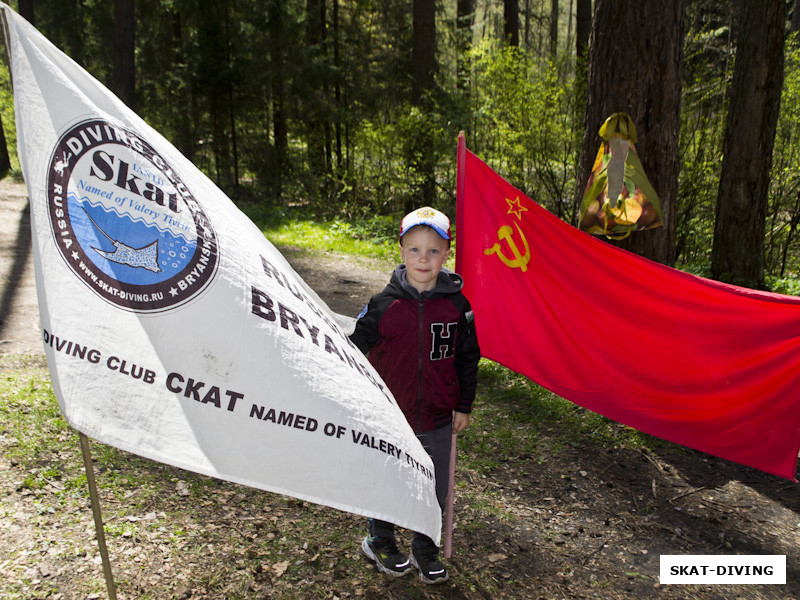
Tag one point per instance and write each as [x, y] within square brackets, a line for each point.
[98, 518]
[448, 514]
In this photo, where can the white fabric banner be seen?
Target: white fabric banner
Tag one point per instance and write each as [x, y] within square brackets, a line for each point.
[174, 330]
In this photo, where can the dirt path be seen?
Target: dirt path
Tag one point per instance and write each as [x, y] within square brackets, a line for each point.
[19, 312]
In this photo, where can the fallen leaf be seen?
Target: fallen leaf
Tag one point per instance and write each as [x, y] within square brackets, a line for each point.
[280, 568]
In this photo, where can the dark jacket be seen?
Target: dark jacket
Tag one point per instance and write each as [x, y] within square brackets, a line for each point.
[423, 346]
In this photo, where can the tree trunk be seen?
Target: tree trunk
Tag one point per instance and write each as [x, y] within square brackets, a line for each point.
[553, 28]
[182, 98]
[583, 27]
[5, 159]
[214, 80]
[337, 94]
[73, 27]
[280, 130]
[737, 255]
[423, 60]
[423, 51]
[511, 22]
[316, 98]
[634, 67]
[465, 18]
[125, 51]
[26, 11]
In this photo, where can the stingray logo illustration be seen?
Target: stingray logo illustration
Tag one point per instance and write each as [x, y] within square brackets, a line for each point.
[124, 221]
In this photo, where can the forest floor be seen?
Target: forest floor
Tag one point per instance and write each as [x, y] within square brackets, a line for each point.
[579, 521]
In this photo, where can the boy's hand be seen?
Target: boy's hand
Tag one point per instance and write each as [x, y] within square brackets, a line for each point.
[460, 422]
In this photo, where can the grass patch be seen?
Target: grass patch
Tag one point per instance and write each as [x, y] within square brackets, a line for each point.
[373, 238]
[31, 417]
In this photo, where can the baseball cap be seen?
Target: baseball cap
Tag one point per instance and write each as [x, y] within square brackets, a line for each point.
[431, 217]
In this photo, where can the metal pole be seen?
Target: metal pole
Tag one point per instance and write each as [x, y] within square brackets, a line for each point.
[98, 518]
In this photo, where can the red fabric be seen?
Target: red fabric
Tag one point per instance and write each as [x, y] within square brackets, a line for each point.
[704, 364]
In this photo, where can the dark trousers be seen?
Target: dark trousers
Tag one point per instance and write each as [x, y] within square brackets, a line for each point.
[437, 444]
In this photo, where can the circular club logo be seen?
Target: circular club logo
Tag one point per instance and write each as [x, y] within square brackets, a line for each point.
[124, 221]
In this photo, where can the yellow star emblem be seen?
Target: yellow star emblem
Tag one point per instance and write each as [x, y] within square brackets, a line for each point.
[515, 208]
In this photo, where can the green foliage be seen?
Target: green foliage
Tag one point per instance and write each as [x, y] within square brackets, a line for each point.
[784, 285]
[524, 123]
[707, 68]
[782, 244]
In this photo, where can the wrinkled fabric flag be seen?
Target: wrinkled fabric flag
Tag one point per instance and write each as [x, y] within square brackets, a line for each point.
[174, 330]
[697, 362]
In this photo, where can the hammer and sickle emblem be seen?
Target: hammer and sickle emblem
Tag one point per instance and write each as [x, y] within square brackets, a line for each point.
[507, 234]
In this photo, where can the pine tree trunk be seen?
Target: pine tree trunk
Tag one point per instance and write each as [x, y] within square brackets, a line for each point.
[583, 27]
[634, 67]
[214, 81]
[423, 60]
[511, 22]
[465, 18]
[26, 11]
[278, 84]
[5, 159]
[125, 51]
[553, 28]
[737, 255]
[315, 101]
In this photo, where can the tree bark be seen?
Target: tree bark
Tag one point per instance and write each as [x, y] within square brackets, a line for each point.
[511, 22]
[125, 51]
[5, 159]
[280, 130]
[634, 67]
[423, 59]
[423, 50]
[317, 146]
[465, 18]
[26, 11]
[737, 255]
[214, 81]
[553, 28]
[583, 27]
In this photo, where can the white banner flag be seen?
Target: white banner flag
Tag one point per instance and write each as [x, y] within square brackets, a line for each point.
[174, 330]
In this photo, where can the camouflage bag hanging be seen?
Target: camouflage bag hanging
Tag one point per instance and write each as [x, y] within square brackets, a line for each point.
[619, 199]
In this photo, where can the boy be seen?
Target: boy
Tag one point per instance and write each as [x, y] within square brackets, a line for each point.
[421, 339]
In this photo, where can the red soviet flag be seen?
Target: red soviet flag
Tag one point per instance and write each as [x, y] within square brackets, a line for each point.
[704, 364]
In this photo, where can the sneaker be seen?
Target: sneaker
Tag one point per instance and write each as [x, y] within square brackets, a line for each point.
[431, 569]
[386, 556]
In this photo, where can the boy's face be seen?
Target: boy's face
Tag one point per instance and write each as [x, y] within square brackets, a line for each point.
[424, 252]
